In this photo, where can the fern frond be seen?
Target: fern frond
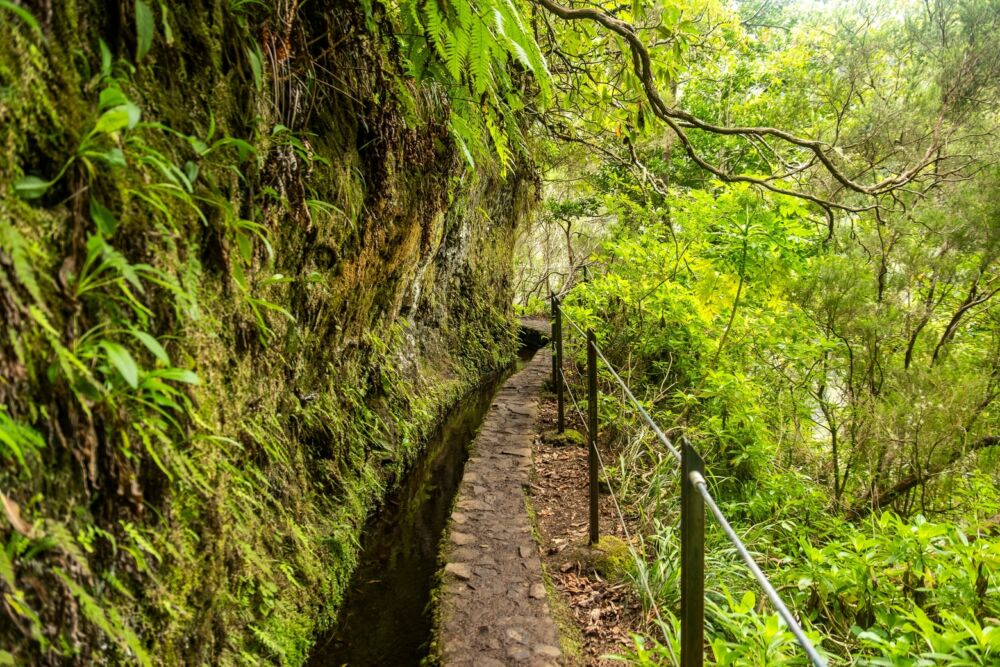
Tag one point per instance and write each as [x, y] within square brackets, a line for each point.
[474, 45]
[411, 18]
[500, 144]
[456, 50]
[459, 57]
[436, 27]
[479, 58]
[513, 131]
[522, 44]
[464, 137]
[17, 248]
[419, 59]
[464, 13]
[507, 28]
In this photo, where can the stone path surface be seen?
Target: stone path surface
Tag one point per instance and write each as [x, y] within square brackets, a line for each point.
[493, 608]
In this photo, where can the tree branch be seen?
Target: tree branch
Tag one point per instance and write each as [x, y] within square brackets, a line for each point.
[675, 118]
[875, 500]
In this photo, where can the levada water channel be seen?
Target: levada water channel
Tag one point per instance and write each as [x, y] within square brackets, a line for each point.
[386, 618]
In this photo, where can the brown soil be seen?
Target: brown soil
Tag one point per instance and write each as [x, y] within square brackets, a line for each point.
[604, 612]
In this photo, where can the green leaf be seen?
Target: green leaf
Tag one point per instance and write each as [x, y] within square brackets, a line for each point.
[114, 157]
[277, 279]
[256, 66]
[168, 32]
[31, 187]
[105, 59]
[191, 171]
[239, 276]
[243, 149]
[112, 120]
[105, 219]
[16, 247]
[122, 360]
[178, 375]
[152, 345]
[18, 439]
[134, 114]
[25, 16]
[111, 97]
[243, 242]
[144, 28]
[198, 145]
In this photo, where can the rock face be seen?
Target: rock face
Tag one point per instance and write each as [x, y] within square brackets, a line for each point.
[288, 220]
[492, 602]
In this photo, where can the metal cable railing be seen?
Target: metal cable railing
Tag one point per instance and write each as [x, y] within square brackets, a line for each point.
[576, 406]
[695, 495]
[638, 406]
[699, 481]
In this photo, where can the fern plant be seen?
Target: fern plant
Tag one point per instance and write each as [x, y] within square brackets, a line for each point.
[470, 47]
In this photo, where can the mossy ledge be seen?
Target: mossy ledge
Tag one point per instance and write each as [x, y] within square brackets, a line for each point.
[229, 320]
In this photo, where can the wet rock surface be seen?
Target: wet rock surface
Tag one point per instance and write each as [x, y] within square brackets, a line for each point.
[493, 603]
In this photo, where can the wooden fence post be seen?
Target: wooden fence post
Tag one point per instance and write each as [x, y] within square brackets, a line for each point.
[692, 560]
[560, 401]
[552, 327]
[592, 432]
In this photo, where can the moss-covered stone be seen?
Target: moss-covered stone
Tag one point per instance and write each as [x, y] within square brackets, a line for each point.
[218, 523]
[612, 559]
[570, 437]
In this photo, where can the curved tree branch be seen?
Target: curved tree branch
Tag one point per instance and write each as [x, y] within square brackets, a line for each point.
[677, 119]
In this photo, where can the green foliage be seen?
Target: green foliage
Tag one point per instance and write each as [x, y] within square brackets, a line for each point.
[697, 315]
[203, 373]
[466, 46]
[99, 144]
[836, 371]
[145, 28]
[109, 621]
[21, 13]
[17, 441]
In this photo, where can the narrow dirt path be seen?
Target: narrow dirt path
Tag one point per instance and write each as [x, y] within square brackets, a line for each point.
[606, 611]
[493, 609]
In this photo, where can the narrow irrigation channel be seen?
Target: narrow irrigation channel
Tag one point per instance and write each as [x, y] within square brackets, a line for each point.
[385, 618]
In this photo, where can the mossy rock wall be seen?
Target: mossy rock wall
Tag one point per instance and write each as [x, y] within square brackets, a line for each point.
[248, 276]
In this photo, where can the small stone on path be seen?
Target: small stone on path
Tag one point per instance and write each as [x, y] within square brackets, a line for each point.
[525, 451]
[547, 651]
[461, 539]
[515, 635]
[519, 654]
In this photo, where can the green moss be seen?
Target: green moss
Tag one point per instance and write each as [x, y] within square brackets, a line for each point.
[612, 558]
[570, 437]
[222, 528]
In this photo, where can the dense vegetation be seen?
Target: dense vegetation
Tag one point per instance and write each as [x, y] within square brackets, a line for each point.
[249, 250]
[826, 334]
[237, 288]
